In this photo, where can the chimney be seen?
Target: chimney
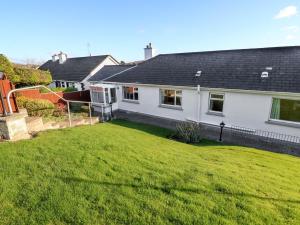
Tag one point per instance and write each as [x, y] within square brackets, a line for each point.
[62, 57]
[54, 57]
[149, 52]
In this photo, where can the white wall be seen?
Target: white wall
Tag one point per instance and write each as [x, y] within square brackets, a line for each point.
[149, 104]
[240, 109]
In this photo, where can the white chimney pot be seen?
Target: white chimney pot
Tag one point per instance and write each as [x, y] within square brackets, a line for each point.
[54, 57]
[149, 52]
[62, 57]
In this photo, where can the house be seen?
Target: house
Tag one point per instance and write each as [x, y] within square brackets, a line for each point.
[251, 89]
[107, 71]
[75, 72]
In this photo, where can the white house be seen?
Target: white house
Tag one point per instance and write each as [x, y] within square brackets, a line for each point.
[256, 89]
[75, 72]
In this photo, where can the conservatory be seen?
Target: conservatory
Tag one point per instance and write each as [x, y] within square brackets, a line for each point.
[103, 99]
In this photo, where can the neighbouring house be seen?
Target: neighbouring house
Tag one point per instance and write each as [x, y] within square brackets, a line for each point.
[75, 72]
[252, 89]
[108, 71]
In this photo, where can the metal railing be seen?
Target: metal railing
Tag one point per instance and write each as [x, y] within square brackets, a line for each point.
[106, 112]
[63, 99]
[266, 134]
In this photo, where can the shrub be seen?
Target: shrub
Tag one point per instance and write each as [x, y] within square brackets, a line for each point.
[58, 89]
[189, 132]
[59, 112]
[36, 107]
[70, 89]
[21, 101]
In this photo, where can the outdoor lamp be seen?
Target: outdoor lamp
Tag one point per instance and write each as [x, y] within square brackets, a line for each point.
[222, 125]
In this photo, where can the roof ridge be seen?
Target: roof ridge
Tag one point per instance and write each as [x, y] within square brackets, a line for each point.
[233, 50]
[88, 56]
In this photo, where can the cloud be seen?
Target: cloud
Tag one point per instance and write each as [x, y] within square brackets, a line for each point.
[286, 12]
[290, 37]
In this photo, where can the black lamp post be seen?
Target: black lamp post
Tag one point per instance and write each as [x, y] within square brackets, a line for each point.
[222, 125]
[111, 111]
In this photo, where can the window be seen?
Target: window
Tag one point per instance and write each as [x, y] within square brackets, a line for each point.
[216, 102]
[171, 97]
[106, 96]
[113, 95]
[285, 109]
[70, 84]
[131, 93]
[63, 84]
[57, 84]
[97, 97]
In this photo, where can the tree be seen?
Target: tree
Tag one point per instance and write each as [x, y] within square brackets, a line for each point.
[7, 67]
[31, 76]
[22, 75]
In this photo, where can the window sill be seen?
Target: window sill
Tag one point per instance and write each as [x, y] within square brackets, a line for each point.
[171, 107]
[215, 113]
[284, 123]
[131, 101]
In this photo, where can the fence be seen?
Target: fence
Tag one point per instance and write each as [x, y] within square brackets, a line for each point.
[265, 134]
[58, 97]
[5, 87]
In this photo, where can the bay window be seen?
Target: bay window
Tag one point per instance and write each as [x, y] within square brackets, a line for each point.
[130, 93]
[285, 109]
[171, 97]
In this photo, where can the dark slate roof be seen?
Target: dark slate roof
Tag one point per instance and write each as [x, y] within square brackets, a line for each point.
[108, 71]
[73, 69]
[230, 69]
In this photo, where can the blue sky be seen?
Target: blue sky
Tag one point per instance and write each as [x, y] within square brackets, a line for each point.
[34, 30]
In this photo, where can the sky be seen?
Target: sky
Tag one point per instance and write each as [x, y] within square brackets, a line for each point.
[32, 30]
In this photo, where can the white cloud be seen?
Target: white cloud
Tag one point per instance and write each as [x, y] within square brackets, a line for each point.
[287, 12]
[290, 37]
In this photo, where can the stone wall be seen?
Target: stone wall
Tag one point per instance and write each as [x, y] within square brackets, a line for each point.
[14, 127]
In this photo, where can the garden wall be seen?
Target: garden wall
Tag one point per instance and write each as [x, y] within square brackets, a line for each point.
[212, 132]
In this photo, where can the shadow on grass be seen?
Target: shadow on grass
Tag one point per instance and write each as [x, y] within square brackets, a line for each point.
[168, 189]
[158, 131]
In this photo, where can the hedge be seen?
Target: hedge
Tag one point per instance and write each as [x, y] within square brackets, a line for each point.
[36, 107]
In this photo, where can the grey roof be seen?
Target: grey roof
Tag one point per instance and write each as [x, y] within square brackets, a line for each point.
[230, 69]
[108, 71]
[73, 69]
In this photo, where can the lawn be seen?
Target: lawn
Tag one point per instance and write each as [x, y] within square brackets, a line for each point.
[126, 173]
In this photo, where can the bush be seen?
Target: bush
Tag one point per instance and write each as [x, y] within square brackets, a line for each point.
[70, 89]
[36, 107]
[58, 89]
[188, 132]
[59, 112]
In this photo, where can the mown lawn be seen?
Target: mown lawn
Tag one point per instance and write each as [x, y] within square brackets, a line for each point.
[126, 173]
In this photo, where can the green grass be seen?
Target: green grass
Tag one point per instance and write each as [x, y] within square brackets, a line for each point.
[126, 173]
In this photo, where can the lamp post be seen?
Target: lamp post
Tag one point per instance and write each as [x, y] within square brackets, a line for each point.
[222, 125]
[111, 111]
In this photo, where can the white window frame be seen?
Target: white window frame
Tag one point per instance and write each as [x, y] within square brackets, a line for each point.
[217, 99]
[279, 120]
[161, 95]
[135, 90]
